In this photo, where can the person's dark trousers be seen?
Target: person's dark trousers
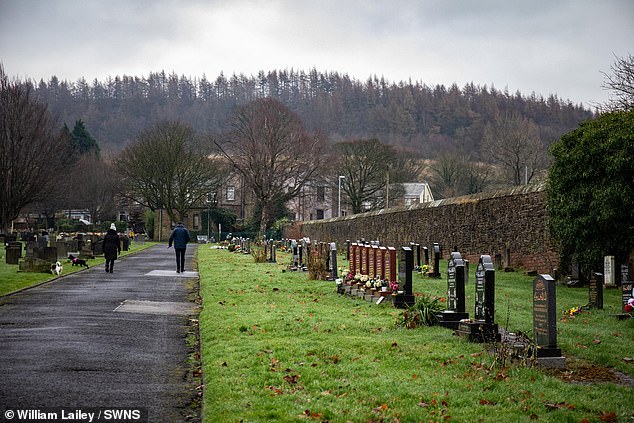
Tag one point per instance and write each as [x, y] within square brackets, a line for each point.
[180, 259]
[109, 265]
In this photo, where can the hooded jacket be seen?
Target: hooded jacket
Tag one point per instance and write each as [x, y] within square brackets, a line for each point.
[179, 237]
[111, 245]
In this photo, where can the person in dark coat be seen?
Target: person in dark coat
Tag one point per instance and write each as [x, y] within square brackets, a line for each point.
[111, 247]
[180, 238]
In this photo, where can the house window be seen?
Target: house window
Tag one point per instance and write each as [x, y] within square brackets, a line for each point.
[231, 193]
[320, 214]
[321, 194]
[196, 221]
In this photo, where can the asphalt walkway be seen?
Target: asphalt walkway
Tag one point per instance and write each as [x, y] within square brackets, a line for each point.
[94, 340]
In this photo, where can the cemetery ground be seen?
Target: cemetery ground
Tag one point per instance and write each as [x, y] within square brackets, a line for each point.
[277, 346]
[13, 280]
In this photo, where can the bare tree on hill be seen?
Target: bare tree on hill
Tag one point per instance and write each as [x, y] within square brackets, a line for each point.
[269, 146]
[31, 150]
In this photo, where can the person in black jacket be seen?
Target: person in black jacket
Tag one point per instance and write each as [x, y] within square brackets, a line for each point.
[111, 247]
[180, 238]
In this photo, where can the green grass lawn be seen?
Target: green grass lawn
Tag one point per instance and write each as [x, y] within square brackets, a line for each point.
[11, 279]
[279, 347]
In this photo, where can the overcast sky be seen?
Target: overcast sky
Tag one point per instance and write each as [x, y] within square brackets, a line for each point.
[542, 46]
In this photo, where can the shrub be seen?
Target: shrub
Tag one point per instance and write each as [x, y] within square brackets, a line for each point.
[424, 312]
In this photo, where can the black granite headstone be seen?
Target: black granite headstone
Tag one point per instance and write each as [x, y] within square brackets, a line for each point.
[405, 268]
[455, 293]
[426, 251]
[595, 292]
[485, 290]
[482, 329]
[545, 316]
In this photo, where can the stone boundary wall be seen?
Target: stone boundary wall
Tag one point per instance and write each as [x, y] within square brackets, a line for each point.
[509, 225]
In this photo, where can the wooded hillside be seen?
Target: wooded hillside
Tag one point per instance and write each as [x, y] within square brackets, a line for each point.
[409, 115]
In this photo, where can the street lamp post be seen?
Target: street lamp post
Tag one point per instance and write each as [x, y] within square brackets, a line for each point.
[339, 206]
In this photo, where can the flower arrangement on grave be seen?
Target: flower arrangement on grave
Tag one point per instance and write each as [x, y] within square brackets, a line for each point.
[629, 307]
[349, 278]
[393, 286]
[424, 269]
[573, 311]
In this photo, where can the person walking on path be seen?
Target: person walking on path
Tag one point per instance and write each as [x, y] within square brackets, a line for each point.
[111, 247]
[180, 238]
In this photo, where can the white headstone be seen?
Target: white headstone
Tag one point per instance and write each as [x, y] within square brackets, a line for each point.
[608, 271]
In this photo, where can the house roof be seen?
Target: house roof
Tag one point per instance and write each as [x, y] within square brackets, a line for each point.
[414, 189]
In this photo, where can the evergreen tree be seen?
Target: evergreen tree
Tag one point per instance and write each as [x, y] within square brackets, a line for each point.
[81, 141]
[591, 190]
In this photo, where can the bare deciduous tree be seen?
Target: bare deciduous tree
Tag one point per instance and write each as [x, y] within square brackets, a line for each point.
[621, 83]
[269, 146]
[98, 186]
[514, 142]
[365, 164]
[169, 168]
[31, 150]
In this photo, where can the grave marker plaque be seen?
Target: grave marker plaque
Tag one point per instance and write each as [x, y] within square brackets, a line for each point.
[595, 291]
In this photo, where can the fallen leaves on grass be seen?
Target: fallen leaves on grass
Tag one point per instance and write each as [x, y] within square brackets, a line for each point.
[609, 416]
[559, 405]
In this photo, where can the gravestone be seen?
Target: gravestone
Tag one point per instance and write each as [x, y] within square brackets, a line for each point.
[365, 259]
[380, 263]
[13, 251]
[48, 254]
[35, 265]
[627, 293]
[295, 248]
[595, 291]
[272, 251]
[545, 322]
[347, 250]
[300, 249]
[29, 246]
[455, 312]
[333, 261]
[608, 271]
[426, 253]
[436, 272]
[353, 258]
[405, 269]
[417, 262]
[390, 264]
[372, 261]
[483, 328]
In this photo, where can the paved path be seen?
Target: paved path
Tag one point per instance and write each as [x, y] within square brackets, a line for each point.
[94, 339]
